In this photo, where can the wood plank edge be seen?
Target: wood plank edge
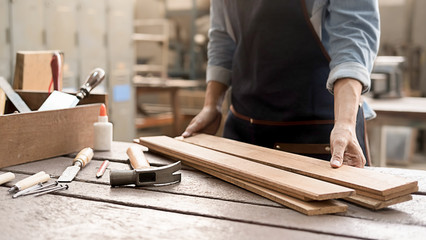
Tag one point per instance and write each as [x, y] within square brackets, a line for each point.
[384, 192]
[308, 208]
[295, 192]
[375, 204]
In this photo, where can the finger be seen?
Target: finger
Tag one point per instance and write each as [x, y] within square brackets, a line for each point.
[338, 150]
[354, 156]
[193, 126]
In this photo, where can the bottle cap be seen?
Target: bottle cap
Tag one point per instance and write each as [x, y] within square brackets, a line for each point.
[103, 111]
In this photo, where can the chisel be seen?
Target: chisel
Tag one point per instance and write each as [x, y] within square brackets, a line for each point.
[80, 161]
[30, 181]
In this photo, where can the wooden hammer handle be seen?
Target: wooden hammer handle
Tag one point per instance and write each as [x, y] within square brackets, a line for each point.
[137, 158]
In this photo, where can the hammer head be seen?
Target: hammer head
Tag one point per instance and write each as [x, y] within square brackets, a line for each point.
[146, 177]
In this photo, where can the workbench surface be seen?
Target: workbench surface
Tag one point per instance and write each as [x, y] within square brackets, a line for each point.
[200, 207]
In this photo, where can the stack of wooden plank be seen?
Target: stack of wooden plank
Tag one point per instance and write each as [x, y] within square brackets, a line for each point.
[304, 184]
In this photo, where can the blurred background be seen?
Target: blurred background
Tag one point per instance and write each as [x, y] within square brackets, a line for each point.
[154, 53]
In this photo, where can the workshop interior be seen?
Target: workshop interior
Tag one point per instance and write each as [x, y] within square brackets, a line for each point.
[96, 94]
[154, 54]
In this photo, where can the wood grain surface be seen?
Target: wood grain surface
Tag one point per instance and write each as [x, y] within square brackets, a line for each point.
[357, 178]
[309, 208]
[199, 207]
[275, 179]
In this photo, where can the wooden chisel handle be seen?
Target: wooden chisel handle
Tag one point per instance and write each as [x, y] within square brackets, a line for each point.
[137, 158]
[6, 177]
[84, 157]
[30, 181]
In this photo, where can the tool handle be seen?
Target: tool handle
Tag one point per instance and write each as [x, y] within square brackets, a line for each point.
[93, 80]
[30, 181]
[122, 177]
[137, 158]
[84, 157]
[6, 177]
[55, 65]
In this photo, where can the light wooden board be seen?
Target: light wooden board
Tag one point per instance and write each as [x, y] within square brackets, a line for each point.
[357, 178]
[27, 137]
[375, 204]
[390, 196]
[276, 179]
[61, 217]
[33, 71]
[2, 101]
[38, 212]
[309, 208]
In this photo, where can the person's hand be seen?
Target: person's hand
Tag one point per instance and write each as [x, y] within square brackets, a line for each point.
[207, 121]
[345, 148]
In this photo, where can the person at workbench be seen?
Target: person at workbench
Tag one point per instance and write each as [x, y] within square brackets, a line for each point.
[297, 71]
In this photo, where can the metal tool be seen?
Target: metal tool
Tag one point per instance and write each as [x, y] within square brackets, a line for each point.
[80, 161]
[60, 100]
[54, 189]
[30, 181]
[102, 169]
[13, 96]
[6, 177]
[146, 177]
[34, 189]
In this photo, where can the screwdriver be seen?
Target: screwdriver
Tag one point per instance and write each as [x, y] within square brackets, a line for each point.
[30, 181]
[80, 161]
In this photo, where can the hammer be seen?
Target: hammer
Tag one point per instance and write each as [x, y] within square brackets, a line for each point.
[143, 174]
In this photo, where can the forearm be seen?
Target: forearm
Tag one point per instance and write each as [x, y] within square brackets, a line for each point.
[347, 94]
[215, 93]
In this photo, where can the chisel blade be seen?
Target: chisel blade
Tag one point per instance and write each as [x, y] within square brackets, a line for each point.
[69, 174]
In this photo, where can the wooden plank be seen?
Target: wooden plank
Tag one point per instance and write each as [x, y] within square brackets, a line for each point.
[61, 217]
[375, 204]
[33, 71]
[309, 208]
[356, 178]
[27, 137]
[2, 101]
[356, 225]
[388, 197]
[276, 179]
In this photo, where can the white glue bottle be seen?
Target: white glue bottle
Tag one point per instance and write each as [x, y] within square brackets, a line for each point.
[103, 131]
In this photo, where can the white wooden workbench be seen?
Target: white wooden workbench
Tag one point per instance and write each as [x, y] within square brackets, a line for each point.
[200, 207]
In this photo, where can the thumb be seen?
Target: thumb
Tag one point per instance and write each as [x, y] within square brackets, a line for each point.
[337, 152]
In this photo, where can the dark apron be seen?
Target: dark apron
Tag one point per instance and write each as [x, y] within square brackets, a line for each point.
[279, 74]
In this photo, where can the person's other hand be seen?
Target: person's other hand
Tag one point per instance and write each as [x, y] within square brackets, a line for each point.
[207, 121]
[345, 148]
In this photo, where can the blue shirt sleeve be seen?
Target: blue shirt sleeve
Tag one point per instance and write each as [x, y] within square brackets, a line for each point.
[221, 46]
[351, 33]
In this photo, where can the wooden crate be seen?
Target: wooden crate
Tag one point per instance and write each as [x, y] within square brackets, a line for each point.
[27, 137]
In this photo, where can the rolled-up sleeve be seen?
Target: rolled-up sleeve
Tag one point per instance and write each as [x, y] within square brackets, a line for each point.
[351, 35]
[221, 46]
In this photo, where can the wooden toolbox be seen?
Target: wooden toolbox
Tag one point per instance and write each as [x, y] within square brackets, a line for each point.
[26, 137]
